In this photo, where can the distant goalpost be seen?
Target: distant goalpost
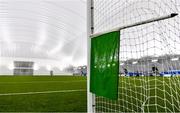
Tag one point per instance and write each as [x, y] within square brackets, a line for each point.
[149, 54]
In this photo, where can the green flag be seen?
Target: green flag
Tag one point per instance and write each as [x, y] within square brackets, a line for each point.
[104, 68]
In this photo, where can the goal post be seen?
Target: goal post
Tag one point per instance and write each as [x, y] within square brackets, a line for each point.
[147, 50]
[90, 30]
[137, 24]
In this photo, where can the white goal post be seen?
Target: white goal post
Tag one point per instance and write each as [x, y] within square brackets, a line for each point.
[136, 24]
[90, 96]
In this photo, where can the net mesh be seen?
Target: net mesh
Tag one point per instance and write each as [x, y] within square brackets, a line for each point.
[149, 55]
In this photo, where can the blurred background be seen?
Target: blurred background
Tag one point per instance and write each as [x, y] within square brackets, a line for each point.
[42, 37]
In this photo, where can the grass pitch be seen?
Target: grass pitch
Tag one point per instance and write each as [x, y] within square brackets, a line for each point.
[43, 94]
[68, 94]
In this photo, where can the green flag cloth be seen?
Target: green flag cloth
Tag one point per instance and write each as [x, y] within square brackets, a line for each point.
[104, 69]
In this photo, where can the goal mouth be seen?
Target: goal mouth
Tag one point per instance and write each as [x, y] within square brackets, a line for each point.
[149, 56]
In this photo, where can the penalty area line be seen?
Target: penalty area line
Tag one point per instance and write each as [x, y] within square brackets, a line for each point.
[43, 92]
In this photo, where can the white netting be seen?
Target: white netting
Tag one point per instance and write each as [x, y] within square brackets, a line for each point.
[151, 51]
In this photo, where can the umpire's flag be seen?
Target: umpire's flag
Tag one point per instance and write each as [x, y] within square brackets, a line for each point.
[105, 65]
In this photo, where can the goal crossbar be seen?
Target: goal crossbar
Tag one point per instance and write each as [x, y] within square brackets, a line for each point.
[136, 24]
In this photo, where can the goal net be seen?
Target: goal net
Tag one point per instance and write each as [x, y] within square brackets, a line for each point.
[149, 55]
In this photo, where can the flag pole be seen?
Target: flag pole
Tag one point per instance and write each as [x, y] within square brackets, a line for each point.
[136, 24]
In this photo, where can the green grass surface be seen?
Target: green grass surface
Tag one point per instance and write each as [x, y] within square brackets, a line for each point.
[47, 102]
[136, 94]
[144, 94]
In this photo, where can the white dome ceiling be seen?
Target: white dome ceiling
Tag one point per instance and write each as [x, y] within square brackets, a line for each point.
[43, 29]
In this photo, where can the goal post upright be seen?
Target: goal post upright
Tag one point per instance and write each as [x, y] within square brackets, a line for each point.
[90, 31]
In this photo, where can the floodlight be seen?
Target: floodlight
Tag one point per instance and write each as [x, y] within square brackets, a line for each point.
[48, 67]
[155, 60]
[174, 59]
[135, 62]
[36, 67]
[11, 66]
[122, 64]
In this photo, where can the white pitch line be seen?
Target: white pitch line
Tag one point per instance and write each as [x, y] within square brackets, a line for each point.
[41, 82]
[43, 92]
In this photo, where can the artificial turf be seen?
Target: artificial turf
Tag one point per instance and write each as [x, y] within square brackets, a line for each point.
[46, 102]
[136, 94]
